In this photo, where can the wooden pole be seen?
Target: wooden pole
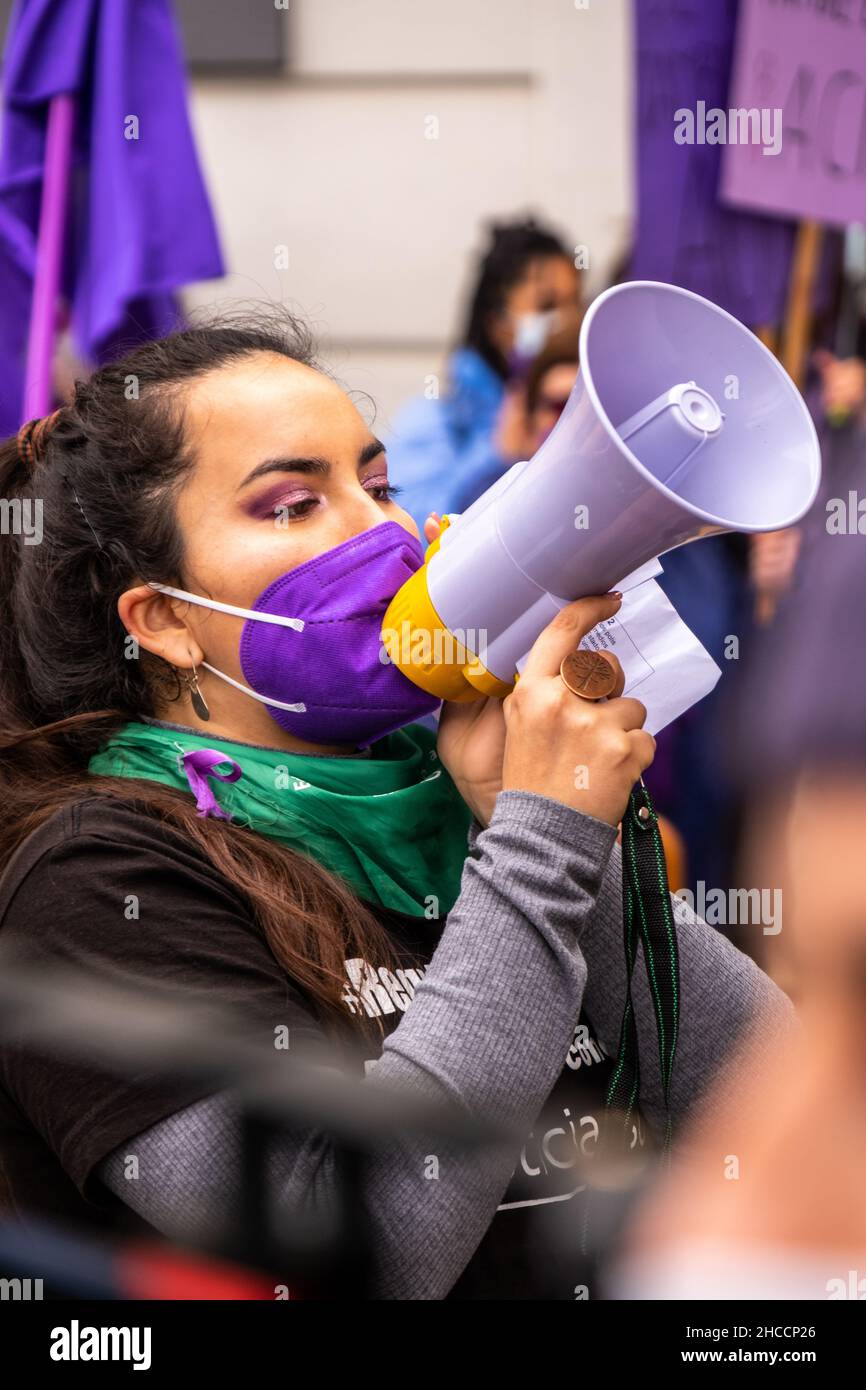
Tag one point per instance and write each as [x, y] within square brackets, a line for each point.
[797, 334]
[769, 336]
[794, 351]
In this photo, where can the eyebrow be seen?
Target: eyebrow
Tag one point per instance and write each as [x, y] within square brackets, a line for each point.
[313, 464]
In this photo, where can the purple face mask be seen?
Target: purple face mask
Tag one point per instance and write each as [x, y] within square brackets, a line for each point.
[311, 649]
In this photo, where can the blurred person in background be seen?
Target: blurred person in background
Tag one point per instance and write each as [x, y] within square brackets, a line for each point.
[532, 405]
[765, 1199]
[708, 585]
[525, 288]
[835, 392]
[549, 384]
[731, 587]
[837, 397]
[442, 916]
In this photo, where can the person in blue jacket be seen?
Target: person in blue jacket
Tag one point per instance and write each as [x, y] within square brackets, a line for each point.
[445, 452]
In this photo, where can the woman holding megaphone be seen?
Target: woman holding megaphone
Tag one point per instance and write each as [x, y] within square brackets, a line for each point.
[213, 785]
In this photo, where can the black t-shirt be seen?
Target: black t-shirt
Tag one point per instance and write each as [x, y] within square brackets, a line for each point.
[106, 888]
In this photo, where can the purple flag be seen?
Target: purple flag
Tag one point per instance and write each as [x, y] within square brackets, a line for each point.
[684, 235]
[140, 224]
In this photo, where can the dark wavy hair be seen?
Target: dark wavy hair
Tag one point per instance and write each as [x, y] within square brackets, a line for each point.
[511, 248]
[107, 473]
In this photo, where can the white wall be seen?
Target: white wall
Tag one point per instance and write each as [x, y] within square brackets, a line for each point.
[528, 102]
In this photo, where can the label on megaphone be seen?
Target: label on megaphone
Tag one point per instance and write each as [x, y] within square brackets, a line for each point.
[665, 666]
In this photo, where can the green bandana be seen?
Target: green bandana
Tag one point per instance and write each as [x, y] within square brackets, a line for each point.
[392, 825]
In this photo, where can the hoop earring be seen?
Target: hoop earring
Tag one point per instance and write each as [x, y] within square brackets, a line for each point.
[199, 703]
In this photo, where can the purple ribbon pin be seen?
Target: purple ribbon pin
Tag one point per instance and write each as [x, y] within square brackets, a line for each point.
[201, 764]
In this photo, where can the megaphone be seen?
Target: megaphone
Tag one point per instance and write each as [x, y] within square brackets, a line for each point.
[681, 424]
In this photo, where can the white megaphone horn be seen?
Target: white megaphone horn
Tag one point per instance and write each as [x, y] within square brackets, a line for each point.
[681, 424]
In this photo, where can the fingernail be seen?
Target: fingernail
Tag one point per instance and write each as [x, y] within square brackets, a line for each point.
[614, 593]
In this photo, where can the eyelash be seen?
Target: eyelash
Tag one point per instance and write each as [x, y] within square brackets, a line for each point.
[384, 492]
[390, 491]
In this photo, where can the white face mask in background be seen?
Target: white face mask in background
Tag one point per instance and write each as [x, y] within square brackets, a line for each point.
[531, 331]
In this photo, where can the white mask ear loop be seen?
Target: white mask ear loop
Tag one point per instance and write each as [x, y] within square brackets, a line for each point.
[296, 623]
[236, 612]
[247, 690]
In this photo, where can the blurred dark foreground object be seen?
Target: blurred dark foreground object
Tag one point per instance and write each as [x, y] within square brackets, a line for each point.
[130, 1033]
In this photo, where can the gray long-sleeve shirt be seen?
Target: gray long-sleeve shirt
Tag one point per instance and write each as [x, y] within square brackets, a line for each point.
[535, 935]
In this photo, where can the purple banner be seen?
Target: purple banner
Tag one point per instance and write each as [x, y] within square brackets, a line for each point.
[684, 235]
[805, 63]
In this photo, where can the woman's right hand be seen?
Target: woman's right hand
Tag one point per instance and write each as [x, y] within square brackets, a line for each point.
[586, 754]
